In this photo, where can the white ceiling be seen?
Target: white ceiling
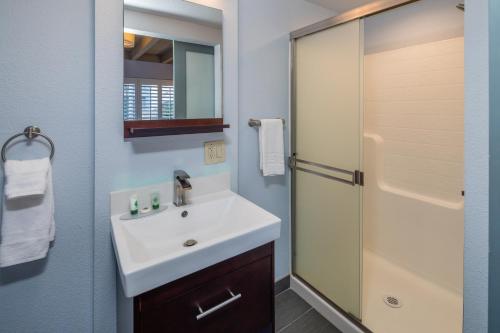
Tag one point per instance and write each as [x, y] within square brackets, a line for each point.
[340, 6]
[180, 8]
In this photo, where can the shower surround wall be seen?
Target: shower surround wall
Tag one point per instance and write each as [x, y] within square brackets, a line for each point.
[414, 164]
[414, 107]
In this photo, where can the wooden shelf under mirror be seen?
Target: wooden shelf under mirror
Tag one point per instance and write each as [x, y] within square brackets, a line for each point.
[147, 128]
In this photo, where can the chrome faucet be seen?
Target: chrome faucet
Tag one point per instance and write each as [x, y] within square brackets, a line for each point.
[181, 185]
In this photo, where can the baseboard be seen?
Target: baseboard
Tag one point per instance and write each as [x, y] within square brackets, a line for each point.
[282, 285]
[324, 308]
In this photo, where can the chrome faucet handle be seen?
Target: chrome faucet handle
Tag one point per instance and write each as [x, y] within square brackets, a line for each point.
[181, 184]
[184, 183]
[181, 174]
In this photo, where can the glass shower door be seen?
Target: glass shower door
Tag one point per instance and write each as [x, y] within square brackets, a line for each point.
[326, 160]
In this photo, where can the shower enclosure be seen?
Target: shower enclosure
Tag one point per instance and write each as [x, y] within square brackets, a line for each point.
[377, 154]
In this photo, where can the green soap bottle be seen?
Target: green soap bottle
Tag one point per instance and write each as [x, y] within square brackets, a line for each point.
[134, 205]
[155, 200]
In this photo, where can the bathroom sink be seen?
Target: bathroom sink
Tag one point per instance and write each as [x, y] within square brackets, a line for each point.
[161, 248]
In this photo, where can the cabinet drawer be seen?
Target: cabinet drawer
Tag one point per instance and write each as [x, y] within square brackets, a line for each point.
[240, 301]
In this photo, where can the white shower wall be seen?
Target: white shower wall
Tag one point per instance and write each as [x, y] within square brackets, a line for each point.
[413, 204]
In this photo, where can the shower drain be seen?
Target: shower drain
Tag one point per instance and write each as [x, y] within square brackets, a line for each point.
[392, 301]
[190, 242]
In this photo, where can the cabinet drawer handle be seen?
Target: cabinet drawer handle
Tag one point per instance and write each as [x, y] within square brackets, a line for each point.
[203, 314]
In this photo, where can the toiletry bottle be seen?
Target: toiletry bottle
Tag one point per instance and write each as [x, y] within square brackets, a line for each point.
[134, 205]
[155, 200]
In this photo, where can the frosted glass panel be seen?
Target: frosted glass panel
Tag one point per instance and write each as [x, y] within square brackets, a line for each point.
[200, 85]
[327, 131]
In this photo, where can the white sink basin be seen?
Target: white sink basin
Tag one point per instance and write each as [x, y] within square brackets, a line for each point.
[150, 250]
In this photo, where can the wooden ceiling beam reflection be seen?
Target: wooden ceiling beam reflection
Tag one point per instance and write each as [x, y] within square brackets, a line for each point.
[168, 60]
[168, 56]
[141, 48]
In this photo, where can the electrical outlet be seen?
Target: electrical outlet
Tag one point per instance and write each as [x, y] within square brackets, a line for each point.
[215, 152]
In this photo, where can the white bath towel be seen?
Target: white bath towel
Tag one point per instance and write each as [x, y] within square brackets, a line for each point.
[271, 146]
[23, 178]
[27, 225]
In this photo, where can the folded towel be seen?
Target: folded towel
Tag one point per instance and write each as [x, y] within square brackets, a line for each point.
[271, 146]
[27, 225]
[23, 178]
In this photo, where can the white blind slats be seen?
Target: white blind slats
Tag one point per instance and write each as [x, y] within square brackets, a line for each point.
[167, 102]
[148, 99]
[129, 101]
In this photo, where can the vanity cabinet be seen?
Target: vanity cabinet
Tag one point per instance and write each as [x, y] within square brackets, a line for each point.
[236, 295]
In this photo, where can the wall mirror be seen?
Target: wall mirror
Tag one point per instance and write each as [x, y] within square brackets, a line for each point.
[172, 53]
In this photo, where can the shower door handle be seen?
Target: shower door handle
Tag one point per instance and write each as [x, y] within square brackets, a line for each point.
[357, 177]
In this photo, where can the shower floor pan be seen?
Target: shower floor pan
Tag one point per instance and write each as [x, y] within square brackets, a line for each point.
[423, 306]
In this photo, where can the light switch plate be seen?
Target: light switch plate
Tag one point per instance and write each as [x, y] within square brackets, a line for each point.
[215, 152]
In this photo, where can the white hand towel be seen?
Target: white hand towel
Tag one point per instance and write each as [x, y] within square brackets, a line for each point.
[271, 146]
[27, 226]
[23, 178]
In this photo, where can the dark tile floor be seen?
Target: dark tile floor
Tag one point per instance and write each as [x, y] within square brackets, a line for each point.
[294, 315]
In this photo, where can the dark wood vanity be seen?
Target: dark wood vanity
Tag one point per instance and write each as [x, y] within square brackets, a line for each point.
[236, 295]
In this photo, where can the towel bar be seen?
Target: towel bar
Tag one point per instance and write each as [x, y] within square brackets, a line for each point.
[30, 133]
[257, 123]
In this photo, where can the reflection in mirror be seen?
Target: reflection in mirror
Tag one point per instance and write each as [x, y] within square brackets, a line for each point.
[148, 86]
[172, 61]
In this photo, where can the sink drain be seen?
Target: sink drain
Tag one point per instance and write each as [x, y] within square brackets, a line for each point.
[392, 301]
[190, 242]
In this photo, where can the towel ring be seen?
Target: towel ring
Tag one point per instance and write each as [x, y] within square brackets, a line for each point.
[30, 133]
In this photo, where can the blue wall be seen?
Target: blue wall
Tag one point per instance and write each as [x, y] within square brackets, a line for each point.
[494, 272]
[46, 79]
[122, 164]
[263, 93]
